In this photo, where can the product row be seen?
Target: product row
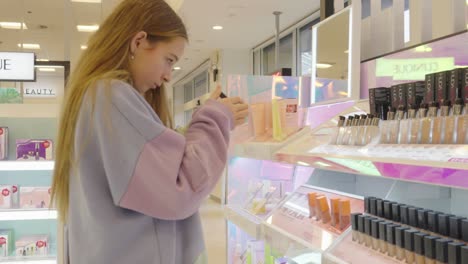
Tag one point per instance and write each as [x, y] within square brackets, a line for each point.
[437, 87]
[35, 245]
[335, 212]
[26, 149]
[22, 197]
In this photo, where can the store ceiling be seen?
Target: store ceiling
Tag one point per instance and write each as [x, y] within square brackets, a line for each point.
[52, 25]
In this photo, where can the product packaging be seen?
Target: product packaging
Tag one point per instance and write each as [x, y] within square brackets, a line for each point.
[6, 243]
[430, 89]
[379, 100]
[441, 87]
[37, 245]
[34, 149]
[3, 143]
[34, 197]
[6, 196]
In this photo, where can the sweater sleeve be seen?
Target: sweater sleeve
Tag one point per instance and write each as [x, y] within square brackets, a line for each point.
[154, 170]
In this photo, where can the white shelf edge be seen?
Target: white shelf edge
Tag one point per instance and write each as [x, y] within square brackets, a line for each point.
[27, 165]
[14, 260]
[17, 215]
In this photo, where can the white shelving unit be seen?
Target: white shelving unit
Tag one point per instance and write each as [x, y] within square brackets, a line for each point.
[19, 215]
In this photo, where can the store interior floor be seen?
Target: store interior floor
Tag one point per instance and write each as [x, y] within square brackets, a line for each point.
[214, 226]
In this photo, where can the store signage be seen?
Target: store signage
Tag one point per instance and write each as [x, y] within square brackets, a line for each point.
[17, 66]
[39, 92]
[412, 69]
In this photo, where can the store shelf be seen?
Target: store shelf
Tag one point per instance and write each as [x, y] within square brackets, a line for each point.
[27, 165]
[28, 260]
[266, 150]
[445, 165]
[248, 222]
[347, 251]
[18, 215]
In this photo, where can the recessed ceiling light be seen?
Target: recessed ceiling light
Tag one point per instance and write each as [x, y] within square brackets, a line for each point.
[323, 65]
[217, 27]
[87, 1]
[83, 47]
[29, 46]
[177, 68]
[13, 25]
[87, 28]
[46, 69]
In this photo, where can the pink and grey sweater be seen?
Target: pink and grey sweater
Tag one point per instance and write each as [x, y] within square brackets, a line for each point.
[138, 187]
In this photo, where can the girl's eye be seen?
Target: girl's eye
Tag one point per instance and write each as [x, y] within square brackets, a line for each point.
[170, 61]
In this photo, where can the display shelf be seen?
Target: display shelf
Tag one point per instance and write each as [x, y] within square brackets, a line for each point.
[433, 164]
[29, 260]
[27, 165]
[15, 215]
[265, 150]
[347, 251]
[248, 222]
[292, 218]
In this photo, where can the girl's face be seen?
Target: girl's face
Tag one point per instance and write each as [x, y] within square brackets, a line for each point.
[151, 64]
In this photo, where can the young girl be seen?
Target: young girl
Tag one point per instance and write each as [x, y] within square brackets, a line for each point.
[127, 187]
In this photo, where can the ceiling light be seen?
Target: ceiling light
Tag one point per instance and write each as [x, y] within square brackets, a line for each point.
[29, 46]
[13, 25]
[87, 28]
[323, 65]
[49, 66]
[83, 47]
[177, 68]
[87, 1]
[217, 27]
[42, 60]
[46, 69]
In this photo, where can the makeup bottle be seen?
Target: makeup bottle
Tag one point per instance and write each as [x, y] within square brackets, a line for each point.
[422, 218]
[464, 254]
[347, 131]
[391, 245]
[373, 131]
[396, 212]
[335, 213]
[413, 216]
[318, 210]
[464, 230]
[380, 208]
[422, 114]
[355, 227]
[462, 127]
[427, 123]
[373, 206]
[354, 130]
[358, 137]
[368, 231]
[338, 131]
[429, 249]
[383, 237]
[433, 222]
[443, 224]
[388, 210]
[375, 233]
[361, 234]
[386, 127]
[344, 214]
[450, 124]
[414, 126]
[324, 209]
[419, 248]
[409, 246]
[400, 242]
[439, 124]
[367, 204]
[404, 217]
[404, 132]
[342, 130]
[455, 227]
[395, 125]
[442, 251]
[454, 252]
[312, 204]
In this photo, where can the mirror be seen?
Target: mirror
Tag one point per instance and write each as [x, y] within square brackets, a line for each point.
[333, 57]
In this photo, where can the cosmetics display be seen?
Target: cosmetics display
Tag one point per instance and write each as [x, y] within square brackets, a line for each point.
[34, 149]
[36, 245]
[34, 197]
[6, 243]
[335, 211]
[3, 143]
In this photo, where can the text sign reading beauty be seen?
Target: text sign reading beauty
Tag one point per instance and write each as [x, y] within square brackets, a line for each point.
[16, 66]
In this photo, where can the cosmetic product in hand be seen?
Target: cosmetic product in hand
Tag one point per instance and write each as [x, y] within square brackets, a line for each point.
[442, 251]
[335, 213]
[455, 227]
[400, 242]
[391, 248]
[3, 143]
[409, 246]
[454, 252]
[355, 227]
[312, 204]
[375, 233]
[383, 237]
[322, 204]
[430, 249]
[344, 214]
[419, 248]
[426, 124]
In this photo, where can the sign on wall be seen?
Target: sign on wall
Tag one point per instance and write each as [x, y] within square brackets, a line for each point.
[17, 66]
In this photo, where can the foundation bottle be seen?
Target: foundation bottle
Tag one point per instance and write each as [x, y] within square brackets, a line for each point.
[368, 231]
[455, 227]
[338, 131]
[324, 209]
[422, 218]
[375, 233]
[413, 217]
[420, 257]
[400, 242]
[433, 222]
[422, 114]
[437, 123]
[354, 226]
[404, 214]
[380, 208]
[383, 237]
[409, 246]
[414, 126]
[450, 123]
[335, 213]
[443, 224]
[426, 124]
[396, 212]
[391, 245]
[395, 125]
[462, 127]
[429, 249]
[454, 252]
[344, 214]
[442, 251]
[312, 204]
[347, 131]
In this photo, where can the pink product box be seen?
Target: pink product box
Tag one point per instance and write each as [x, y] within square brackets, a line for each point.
[34, 149]
[9, 196]
[34, 197]
[3, 143]
[37, 245]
